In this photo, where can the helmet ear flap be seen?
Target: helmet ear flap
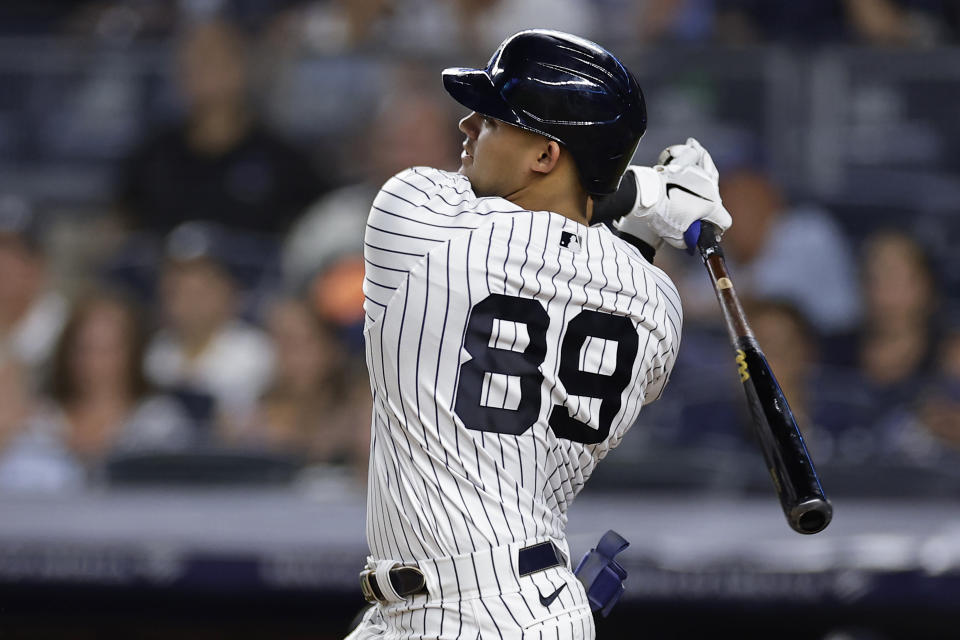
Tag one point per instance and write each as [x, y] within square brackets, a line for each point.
[566, 88]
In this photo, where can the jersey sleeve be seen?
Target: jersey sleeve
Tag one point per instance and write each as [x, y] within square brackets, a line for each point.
[666, 352]
[416, 211]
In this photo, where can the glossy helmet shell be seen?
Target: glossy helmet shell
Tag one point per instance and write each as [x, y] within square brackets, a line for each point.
[566, 88]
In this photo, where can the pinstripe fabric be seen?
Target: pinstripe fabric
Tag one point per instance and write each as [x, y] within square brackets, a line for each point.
[438, 488]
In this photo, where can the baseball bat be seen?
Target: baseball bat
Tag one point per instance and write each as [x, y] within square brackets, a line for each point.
[791, 469]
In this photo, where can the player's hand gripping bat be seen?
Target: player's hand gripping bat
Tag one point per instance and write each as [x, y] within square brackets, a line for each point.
[794, 476]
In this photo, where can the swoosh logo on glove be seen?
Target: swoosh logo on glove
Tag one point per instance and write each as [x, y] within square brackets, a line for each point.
[553, 596]
[682, 188]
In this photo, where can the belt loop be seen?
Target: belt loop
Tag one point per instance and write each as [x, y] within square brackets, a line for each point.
[385, 583]
[366, 587]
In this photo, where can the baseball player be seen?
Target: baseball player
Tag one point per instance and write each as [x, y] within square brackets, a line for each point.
[511, 340]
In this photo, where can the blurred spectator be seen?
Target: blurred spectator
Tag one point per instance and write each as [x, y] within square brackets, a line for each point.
[699, 411]
[332, 26]
[203, 345]
[833, 409]
[323, 254]
[99, 386]
[789, 343]
[339, 26]
[797, 254]
[895, 344]
[900, 22]
[930, 433]
[31, 458]
[682, 21]
[17, 402]
[32, 314]
[347, 26]
[38, 17]
[318, 403]
[485, 23]
[880, 22]
[119, 22]
[755, 21]
[940, 408]
[950, 354]
[221, 164]
[99, 402]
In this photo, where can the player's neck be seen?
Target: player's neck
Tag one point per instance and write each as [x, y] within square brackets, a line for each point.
[543, 196]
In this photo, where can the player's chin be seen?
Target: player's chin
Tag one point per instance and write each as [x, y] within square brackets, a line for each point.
[466, 169]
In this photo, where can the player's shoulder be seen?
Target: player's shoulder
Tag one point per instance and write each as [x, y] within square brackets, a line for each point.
[419, 185]
[625, 250]
[655, 279]
[438, 198]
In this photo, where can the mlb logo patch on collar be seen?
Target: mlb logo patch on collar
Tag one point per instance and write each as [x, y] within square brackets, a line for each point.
[570, 240]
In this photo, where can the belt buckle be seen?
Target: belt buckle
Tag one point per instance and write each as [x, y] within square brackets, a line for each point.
[367, 589]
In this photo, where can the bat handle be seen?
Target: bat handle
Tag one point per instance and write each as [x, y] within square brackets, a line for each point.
[707, 238]
[708, 242]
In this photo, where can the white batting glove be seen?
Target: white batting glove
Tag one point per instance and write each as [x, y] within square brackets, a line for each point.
[690, 154]
[674, 194]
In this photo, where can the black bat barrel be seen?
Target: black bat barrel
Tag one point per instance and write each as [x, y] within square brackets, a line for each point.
[791, 468]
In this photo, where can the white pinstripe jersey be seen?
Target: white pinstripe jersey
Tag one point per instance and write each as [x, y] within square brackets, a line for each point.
[508, 350]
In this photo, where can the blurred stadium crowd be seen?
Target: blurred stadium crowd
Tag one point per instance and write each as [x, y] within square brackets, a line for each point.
[183, 189]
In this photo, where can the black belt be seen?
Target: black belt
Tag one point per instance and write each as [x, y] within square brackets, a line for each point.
[538, 557]
[409, 581]
[406, 581]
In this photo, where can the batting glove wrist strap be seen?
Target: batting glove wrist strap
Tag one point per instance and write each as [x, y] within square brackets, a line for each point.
[650, 191]
[601, 575]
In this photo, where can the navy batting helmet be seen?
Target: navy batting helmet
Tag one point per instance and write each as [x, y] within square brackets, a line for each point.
[566, 88]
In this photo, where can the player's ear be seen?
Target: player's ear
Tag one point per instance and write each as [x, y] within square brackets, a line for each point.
[548, 156]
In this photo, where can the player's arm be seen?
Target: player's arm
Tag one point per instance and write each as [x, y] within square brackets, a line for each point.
[659, 204]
